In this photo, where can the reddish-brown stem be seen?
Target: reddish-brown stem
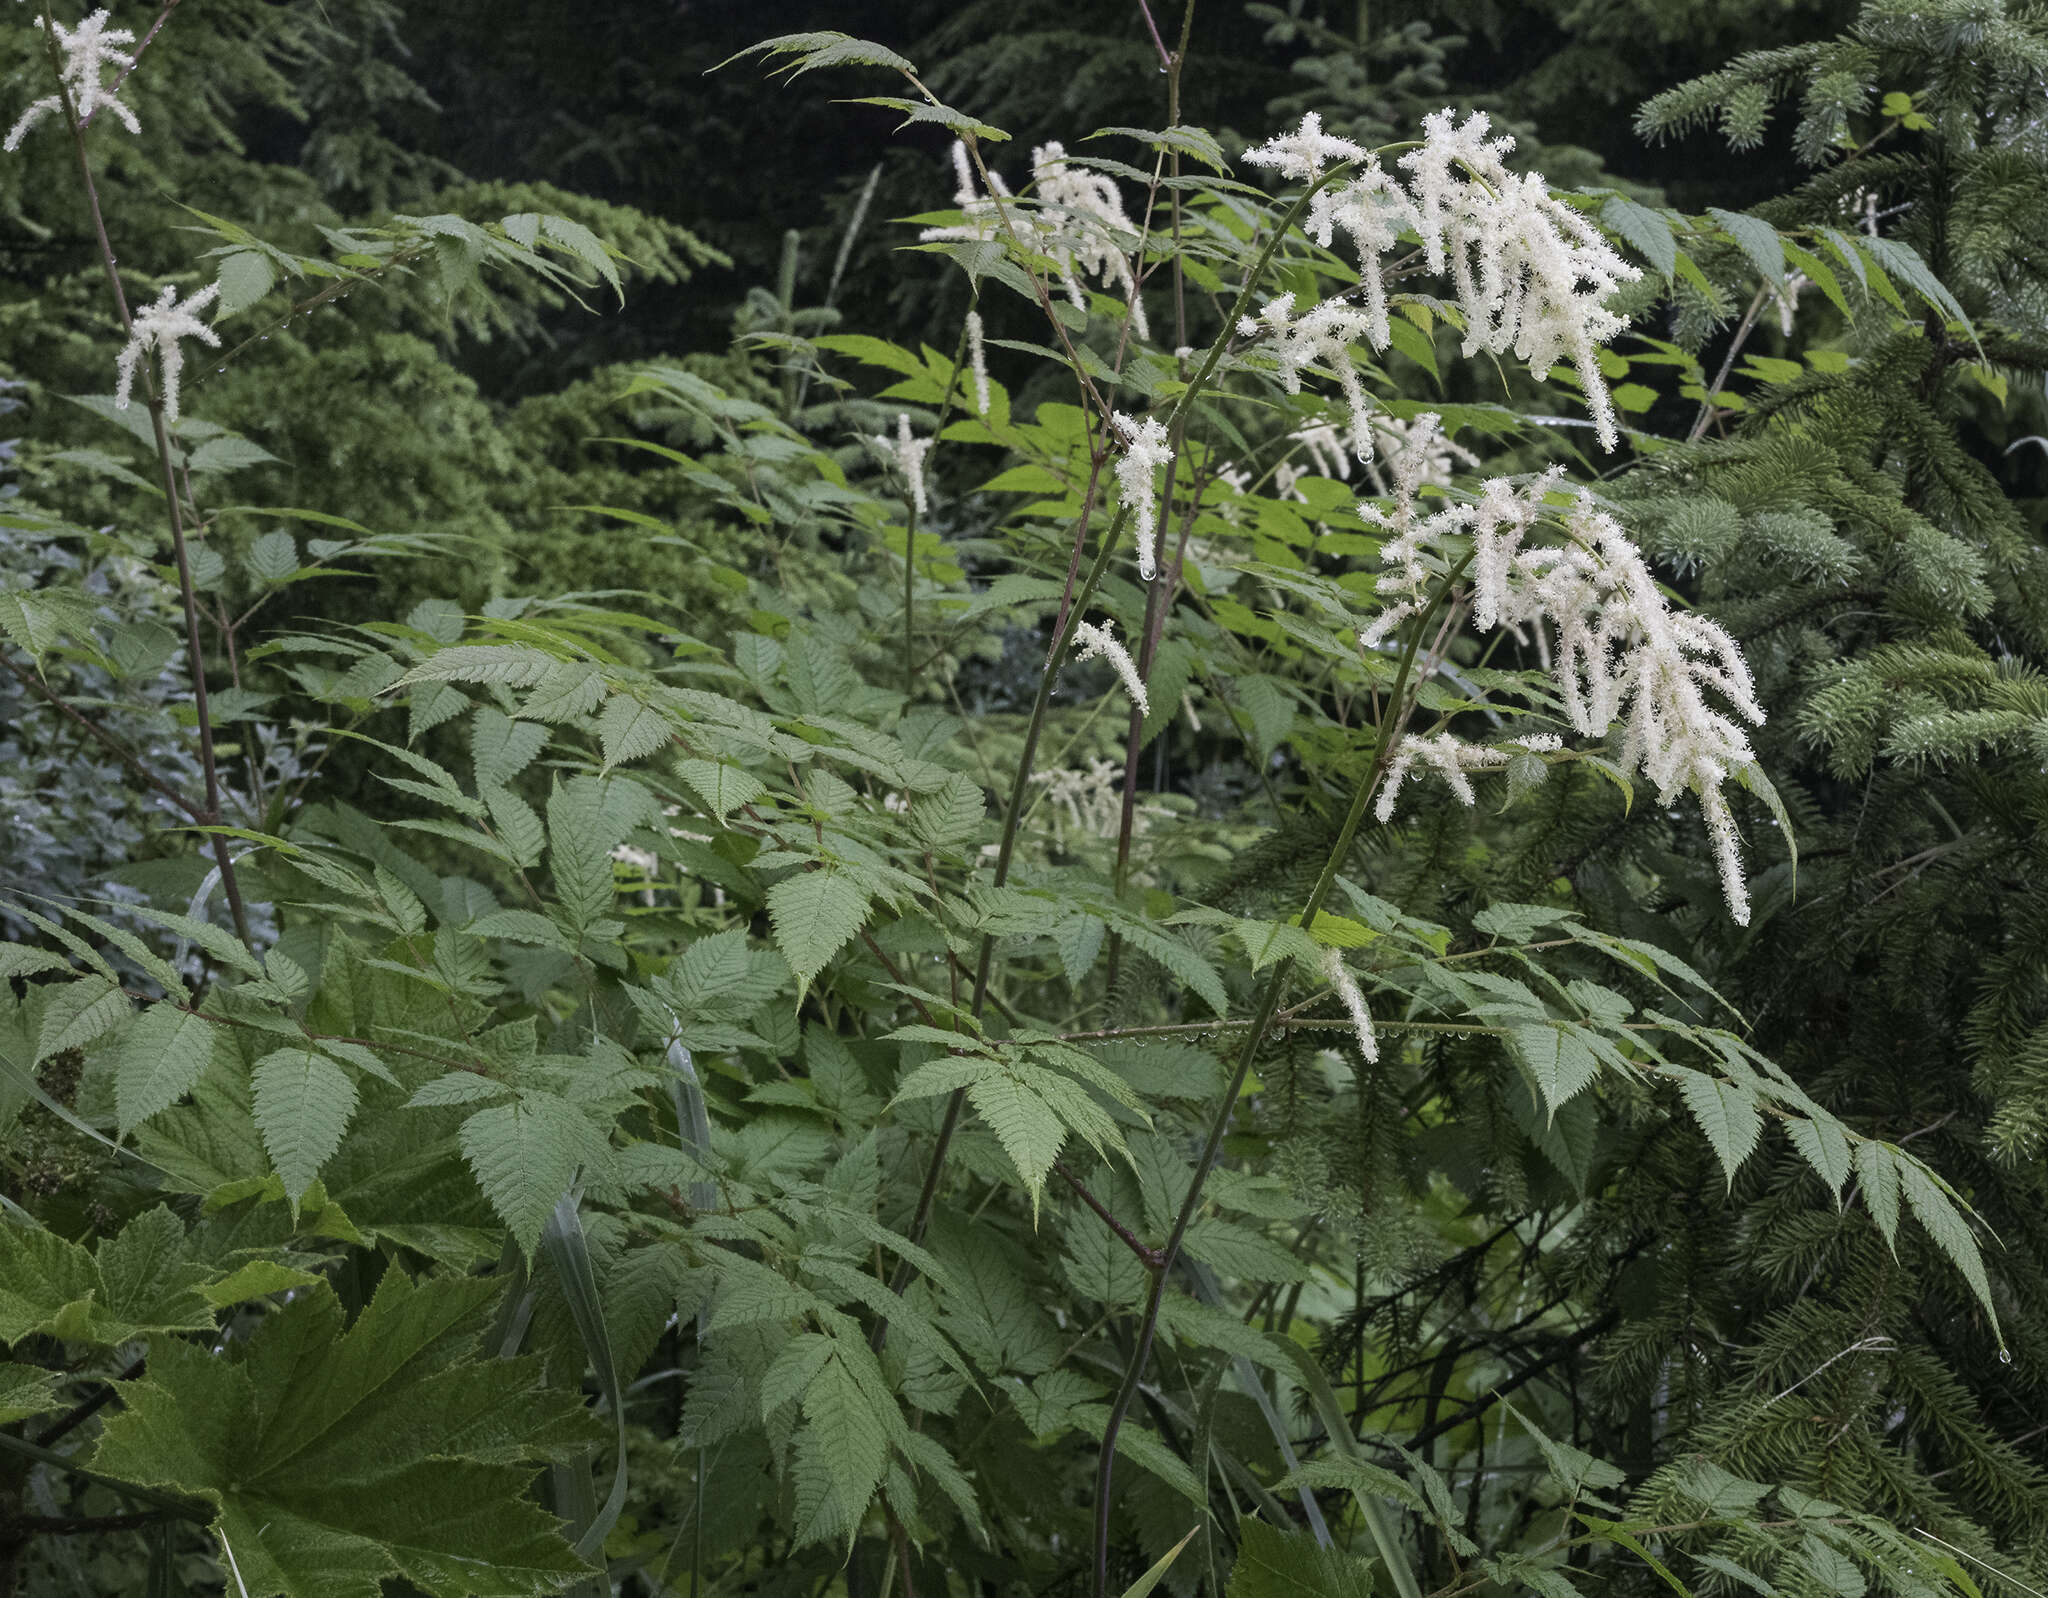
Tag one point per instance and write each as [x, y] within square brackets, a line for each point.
[230, 885]
[1151, 1258]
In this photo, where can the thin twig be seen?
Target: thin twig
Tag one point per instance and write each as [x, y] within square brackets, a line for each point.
[114, 746]
[1151, 1257]
[135, 60]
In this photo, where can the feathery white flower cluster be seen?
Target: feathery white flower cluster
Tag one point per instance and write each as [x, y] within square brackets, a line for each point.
[1099, 643]
[1078, 223]
[162, 325]
[1531, 274]
[907, 454]
[1092, 801]
[1623, 655]
[1339, 976]
[89, 52]
[1085, 214]
[1146, 449]
[977, 363]
[1451, 758]
[1325, 333]
[1544, 271]
[1440, 457]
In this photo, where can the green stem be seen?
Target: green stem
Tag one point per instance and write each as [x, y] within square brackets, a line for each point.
[1005, 853]
[1393, 722]
[183, 1508]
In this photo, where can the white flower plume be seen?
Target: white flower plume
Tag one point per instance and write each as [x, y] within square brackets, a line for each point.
[162, 325]
[1084, 214]
[977, 361]
[1622, 654]
[1339, 976]
[89, 53]
[1301, 155]
[1451, 758]
[1145, 450]
[1099, 643]
[1078, 223]
[1531, 274]
[1543, 272]
[907, 453]
[1324, 334]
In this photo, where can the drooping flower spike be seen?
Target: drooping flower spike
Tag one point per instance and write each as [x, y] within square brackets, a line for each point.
[1078, 223]
[1100, 643]
[1531, 274]
[1622, 654]
[907, 455]
[1146, 449]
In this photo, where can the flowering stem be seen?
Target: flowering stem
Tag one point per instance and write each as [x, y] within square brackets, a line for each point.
[229, 884]
[1019, 788]
[1394, 719]
[135, 60]
[910, 672]
[1070, 616]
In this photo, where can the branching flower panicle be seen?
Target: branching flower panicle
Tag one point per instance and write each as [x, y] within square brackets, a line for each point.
[1531, 274]
[1339, 976]
[1300, 156]
[89, 54]
[1079, 224]
[1623, 655]
[1083, 213]
[1452, 758]
[1146, 449]
[1099, 643]
[162, 325]
[907, 454]
[1323, 335]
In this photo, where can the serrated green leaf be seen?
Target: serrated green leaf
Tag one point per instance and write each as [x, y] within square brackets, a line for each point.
[1559, 1061]
[525, 1156]
[1822, 1144]
[1945, 1224]
[303, 1103]
[814, 913]
[1289, 1564]
[1726, 1112]
[157, 1060]
[1877, 1171]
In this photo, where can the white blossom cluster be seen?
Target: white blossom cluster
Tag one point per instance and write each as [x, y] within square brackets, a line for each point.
[1531, 274]
[1622, 654]
[1452, 758]
[89, 53]
[907, 454]
[1100, 643]
[1091, 800]
[162, 325]
[1323, 334]
[1146, 449]
[1079, 224]
[1339, 976]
